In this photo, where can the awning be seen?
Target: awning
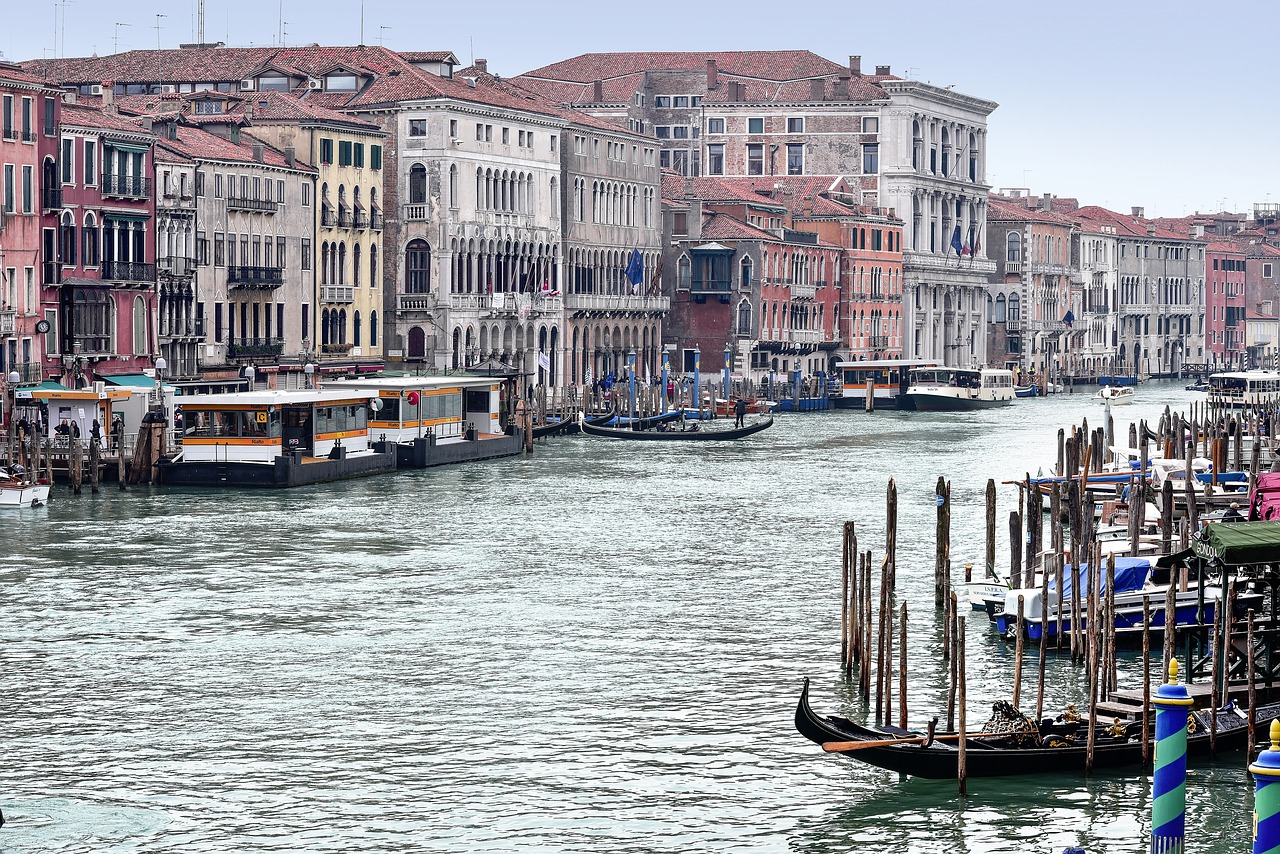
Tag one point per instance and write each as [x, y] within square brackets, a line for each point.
[1239, 543]
[133, 380]
[24, 392]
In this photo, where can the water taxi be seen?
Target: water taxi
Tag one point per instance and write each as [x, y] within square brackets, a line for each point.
[18, 488]
[433, 421]
[889, 378]
[1115, 395]
[1241, 389]
[936, 389]
[275, 439]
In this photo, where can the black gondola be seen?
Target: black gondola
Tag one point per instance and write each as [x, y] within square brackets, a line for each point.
[936, 756]
[568, 425]
[686, 435]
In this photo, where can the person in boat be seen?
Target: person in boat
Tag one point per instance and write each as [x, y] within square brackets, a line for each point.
[739, 412]
[1233, 513]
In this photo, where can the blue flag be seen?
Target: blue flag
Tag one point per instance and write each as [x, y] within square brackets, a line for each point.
[1069, 318]
[635, 269]
[956, 243]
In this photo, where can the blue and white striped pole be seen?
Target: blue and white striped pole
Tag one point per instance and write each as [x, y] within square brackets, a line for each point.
[697, 379]
[728, 361]
[666, 371]
[1169, 789]
[631, 382]
[1266, 798]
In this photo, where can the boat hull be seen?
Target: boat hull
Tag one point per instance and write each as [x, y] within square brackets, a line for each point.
[679, 435]
[285, 471]
[27, 495]
[927, 402]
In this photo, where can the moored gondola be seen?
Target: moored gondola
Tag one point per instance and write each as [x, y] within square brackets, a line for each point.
[565, 426]
[678, 435]
[1050, 747]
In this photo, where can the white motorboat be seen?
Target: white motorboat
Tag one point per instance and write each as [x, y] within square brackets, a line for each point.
[949, 389]
[1115, 395]
[17, 489]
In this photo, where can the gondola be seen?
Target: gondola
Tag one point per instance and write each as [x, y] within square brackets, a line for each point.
[1057, 747]
[678, 435]
[566, 426]
[644, 422]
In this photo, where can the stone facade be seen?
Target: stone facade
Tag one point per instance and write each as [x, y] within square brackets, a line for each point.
[1225, 304]
[179, 330]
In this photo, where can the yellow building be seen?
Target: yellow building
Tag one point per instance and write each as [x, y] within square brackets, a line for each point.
[345, 258]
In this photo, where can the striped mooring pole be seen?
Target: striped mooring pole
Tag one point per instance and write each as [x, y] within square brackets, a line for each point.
[1266, 800]
[1169, 792]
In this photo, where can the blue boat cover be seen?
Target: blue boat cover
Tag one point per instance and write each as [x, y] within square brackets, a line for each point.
[1131, 574]
[1224, 477]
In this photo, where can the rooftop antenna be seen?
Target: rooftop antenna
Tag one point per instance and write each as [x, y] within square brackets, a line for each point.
[63, 4]
[361, 22]
[200, 22]
[382, 31]
[115, 41]
[159, 52]
[281, 36]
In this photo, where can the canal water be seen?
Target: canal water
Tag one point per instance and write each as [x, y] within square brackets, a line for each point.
[595, 649]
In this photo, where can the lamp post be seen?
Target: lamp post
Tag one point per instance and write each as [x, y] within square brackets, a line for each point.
[631, 382]
[697, 379]
[310, 370]
[161, 367]
[666, 372]
[249, 374]
[728, 362]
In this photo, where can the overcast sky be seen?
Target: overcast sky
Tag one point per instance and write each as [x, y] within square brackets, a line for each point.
[1160, 103]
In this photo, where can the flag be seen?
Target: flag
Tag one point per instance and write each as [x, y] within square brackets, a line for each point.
[1069, 318]
[977, 241]
[966, 250]
[955, 241]
[635, 270]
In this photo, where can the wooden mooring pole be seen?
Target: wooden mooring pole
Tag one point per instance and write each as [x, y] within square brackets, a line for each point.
[962, 767]
[991, 529]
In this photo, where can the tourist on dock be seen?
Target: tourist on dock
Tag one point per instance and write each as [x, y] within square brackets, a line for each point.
[75, 430]
[739, 412]
[63, 429]
[1233, 513]
[95, 433]
[117, 432]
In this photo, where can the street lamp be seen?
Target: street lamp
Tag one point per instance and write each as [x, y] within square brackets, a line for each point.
[161, 367]
[14, 379]
[310, 370]
[249, 373]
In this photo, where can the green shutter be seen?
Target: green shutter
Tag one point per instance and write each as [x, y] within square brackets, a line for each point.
[375, 156]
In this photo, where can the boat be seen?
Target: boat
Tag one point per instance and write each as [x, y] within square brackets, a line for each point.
[1020, 746]
[1026, 391]
[1198, 385]
[1242, 389]
[755, 406]
[952, 389]
[644, 422]
[1115, 395]
[889, 379]
[278, 438]
[19, 489]
[567, 426]
[688, 434]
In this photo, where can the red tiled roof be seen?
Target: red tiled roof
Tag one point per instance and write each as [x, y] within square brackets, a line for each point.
[428, 55]
[194, 65]
[775, 65]
[1129, 226]
[676, 186]
[484, 79]
[616, 90]
[15, 74]
[278, 106]
[1224, 247]
[1003, 209]
[81, 115]
[200, 144]
[717, 226]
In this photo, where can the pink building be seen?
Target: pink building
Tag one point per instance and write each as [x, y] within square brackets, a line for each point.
[105, 303]
[1224, 304]
[28, 135]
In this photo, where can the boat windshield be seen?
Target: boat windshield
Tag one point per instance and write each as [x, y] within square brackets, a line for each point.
[1227, 382]
[932, 376]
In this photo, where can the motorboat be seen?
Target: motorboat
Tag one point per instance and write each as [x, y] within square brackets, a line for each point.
[957, 389]
[19, 489]
[1115, 395]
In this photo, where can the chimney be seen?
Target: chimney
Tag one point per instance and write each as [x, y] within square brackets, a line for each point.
[482, 65]
[1138, 211]
[840, 89]
[597, 92]
[713, 74]
[171, 131]
[290, 156]
[893, 213]
[147, 123]
[817, 89]
[258, 152]
[882, 71]
[855, 66]
[1151, 229]
[740, 91]
[108, 94]
[1046, 202]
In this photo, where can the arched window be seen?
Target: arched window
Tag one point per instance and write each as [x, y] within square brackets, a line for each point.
[1000, 316]
[684, 273]
[342, 326]
[418, 184]
[453, 186]
[746, 272]
[67, 234]
[89, 257]
[417, 343]
[342, 264]
[355, 265]
[417, 267]
[1014, 311]
[373, 266]
[744, 317]
[373, 329]
[1014, 251]
[140, 326]
[324, 327]
[355, 329]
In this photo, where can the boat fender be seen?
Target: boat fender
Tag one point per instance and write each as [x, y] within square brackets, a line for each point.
[933, 725]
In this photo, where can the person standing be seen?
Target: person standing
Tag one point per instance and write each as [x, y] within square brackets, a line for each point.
[117, 432]
[740, 412]
[95, 433]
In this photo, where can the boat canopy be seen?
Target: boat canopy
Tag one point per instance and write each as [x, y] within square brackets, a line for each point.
[1131, 574]
[1239, 543]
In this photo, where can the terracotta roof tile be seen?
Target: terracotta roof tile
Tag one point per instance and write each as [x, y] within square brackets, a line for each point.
[717, 226]
[775, 65]
[278, 106]
[1005, 209]
[81, 115]
[202, 145]
[676, 186]
[429, 55]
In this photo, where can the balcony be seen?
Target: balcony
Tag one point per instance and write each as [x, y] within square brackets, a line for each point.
[361, 220]
[251, 205]
[335, 349]
[807, 290]
[415, 302]
[176, 266]
[328, 218]
[475, 302]
[878, 342]
[616, 303]
[51, 272]
[1013, 267]
[8, 323]
[714, 286]
[417, 213]
[192, 328]
[51, 198]
[344, 218]
[29, 136]
[129, 271]
[10, 133]
[30, 372]
[255, 348]
[337, 293]
[126, 186]
[255, 278]
[375, 220]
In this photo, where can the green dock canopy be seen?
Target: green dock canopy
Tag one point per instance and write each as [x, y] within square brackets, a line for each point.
[1239, 543]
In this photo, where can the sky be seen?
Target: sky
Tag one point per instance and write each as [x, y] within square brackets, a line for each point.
[1162, 104]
